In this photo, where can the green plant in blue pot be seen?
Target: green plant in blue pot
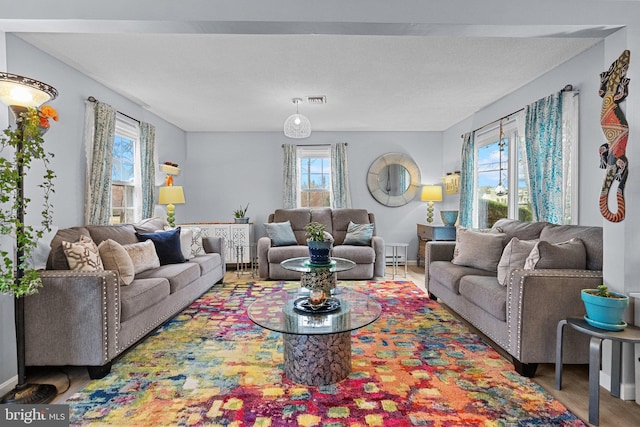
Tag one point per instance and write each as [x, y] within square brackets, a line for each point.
[319, 243]
[605, 308]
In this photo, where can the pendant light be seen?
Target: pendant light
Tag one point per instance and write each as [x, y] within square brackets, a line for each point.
[297, 125]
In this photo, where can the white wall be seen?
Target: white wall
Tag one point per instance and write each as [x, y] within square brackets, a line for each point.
[226, 170]
[64, 140]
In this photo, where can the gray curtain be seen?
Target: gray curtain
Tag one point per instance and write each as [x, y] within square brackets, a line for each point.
[467, 177]
[147, 168]
[340, 176]
[100, 124]
[289, 177]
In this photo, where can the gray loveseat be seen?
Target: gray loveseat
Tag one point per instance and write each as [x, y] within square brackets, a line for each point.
[370, 259]
[521, 315]
[89, 318]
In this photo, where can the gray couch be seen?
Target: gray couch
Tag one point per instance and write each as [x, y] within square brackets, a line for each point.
[370, 260]
[88, 318]
[522, 316]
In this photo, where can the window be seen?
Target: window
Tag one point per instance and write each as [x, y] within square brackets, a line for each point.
[314, 173]
[125, 173]
[501, 169]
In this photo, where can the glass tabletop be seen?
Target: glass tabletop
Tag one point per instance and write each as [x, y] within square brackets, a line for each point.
[278, 313]
[303, 265]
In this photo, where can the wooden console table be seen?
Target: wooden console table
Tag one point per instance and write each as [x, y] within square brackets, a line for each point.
[428, 232]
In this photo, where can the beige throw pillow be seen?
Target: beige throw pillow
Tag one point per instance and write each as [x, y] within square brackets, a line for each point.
[570, 254]
[479, 249]
[115, 257]
[82, 255]
[143, 255]
[514, 257]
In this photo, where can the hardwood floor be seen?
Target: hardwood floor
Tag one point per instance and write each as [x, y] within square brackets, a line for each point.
[574, 394]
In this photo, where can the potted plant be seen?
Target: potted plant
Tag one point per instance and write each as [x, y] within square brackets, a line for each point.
[605, 308]
[240, 215]
[319, 244]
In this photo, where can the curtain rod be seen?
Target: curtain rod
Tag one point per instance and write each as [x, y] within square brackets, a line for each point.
[567, 88]
[92, 99]
[315, 145]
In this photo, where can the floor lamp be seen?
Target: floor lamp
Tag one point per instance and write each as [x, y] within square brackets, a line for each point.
[20, 93]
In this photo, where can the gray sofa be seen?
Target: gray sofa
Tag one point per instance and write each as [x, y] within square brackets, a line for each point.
[370, 260]
[520, 316]
[89, 318]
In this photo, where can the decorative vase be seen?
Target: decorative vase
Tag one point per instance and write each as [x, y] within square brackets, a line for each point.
[605, 312]
[319, 252]
[449, 218]
[244, 220]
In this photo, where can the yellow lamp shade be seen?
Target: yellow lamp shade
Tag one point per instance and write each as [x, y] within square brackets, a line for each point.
[431, 193]
[171, 195]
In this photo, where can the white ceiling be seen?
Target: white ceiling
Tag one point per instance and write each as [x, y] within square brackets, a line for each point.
[217, 66]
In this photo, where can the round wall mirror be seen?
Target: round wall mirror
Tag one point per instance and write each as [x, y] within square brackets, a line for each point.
[393, 179]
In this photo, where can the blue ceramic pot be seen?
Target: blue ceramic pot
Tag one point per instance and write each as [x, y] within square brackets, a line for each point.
[449, 218]
[605, 310]
[319, 252]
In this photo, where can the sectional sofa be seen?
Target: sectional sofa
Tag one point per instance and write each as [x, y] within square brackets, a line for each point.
[88, 318]
[516, 291]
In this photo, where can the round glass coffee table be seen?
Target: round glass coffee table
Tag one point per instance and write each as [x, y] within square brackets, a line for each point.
[318, 276]
[317, 344]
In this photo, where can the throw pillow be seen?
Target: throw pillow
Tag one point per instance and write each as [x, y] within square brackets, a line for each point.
[513, 257]
[143, 256]
[167, 245]
[82, 255]
[570, 254]
[461, 230]
[197, 247]
[186, 238]
[358, 234]
[115, 257]
[281, 233]
[479, 250]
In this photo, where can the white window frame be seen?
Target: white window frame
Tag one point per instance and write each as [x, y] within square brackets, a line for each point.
[489, 135]
[128, 128]
[312, 151]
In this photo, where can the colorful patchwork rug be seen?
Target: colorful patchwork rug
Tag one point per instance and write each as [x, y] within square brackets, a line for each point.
[417, 365]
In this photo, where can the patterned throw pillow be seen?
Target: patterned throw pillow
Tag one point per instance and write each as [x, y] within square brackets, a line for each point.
[115, 257]
[358, 234]
[197, 248]
[82, 255]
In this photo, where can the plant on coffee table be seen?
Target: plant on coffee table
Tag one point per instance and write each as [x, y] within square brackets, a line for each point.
[319, 244]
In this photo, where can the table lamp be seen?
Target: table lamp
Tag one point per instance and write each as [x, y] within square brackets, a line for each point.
[168, 196]
[430, 194]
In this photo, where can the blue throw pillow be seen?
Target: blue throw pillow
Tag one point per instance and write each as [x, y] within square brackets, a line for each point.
[281, 233]
[358, 234]
[167, 245]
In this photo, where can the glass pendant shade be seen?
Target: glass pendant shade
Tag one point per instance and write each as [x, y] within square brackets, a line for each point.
[297, 125]
[22, 91]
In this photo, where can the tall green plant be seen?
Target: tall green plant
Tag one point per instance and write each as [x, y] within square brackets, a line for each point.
[26, 142]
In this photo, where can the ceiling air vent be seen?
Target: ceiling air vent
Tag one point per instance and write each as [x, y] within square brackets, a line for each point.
[317, 100]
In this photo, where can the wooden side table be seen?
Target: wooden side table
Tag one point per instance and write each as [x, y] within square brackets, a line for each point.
[428, 232]
[630, 334]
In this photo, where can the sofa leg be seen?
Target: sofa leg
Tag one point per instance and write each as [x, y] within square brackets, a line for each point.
[97, 372]
[432, 296]
[525, 369]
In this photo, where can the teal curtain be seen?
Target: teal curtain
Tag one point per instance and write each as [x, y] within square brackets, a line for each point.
[340, 176]
[100, 124]
[467, 179]
[543, 136]
[147, 168]
[289, 177]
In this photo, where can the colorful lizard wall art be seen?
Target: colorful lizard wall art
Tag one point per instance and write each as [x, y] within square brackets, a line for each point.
[613, 90]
